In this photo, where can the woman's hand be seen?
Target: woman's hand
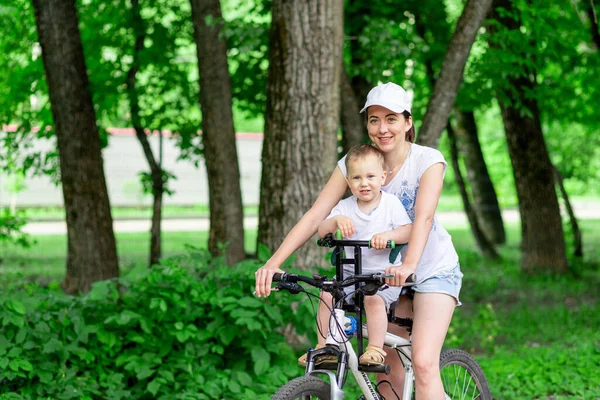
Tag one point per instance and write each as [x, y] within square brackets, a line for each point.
[400, 272]
[264, 277]
[380, 240]
[345, 225]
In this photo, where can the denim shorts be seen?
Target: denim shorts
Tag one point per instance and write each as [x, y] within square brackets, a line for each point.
[448, 282]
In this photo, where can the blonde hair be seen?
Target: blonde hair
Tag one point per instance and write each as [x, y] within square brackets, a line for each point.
[361, 151]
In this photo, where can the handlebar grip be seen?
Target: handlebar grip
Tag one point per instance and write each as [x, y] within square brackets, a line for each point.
[338, 235]
[389, 245]
[412, 278]
[279, 277]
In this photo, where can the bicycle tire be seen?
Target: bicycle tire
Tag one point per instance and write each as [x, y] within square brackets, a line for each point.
[300, 388]
[462, 377]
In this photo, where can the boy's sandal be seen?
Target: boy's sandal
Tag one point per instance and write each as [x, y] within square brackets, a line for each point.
[320, 360]
[373, 355]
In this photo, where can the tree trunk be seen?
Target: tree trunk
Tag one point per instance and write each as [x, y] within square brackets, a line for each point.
[591, 12]
[218, 132]
[484, 195]
[446, 87]
[543, 242]
[484, 245]
[302, 116]
[353, 124]
[92, 253]
[134, 108]
[577, 241]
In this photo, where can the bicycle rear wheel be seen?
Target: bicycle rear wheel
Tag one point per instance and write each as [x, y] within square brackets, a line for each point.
[304, 388]
[462, 377]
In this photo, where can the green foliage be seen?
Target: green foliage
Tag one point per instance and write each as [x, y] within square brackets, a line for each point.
[189, 328]
[10, 228]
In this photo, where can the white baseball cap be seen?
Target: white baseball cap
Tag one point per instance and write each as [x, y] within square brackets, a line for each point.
[390, 96]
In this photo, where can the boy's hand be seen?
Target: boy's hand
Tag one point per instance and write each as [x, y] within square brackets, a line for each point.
[345, 225]
[380, 240]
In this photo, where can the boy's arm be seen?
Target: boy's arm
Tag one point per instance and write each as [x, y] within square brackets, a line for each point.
[399, 235]
[340, 222]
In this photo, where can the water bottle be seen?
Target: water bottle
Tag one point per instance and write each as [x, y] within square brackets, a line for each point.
[350, 325]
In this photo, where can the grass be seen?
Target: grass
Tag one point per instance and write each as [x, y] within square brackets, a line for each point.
[536, 337]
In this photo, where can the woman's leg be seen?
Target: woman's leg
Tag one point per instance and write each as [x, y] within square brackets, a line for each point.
[396, 376]
[432, 316]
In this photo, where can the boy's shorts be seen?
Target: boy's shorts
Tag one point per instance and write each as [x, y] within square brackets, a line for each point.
[389, 294]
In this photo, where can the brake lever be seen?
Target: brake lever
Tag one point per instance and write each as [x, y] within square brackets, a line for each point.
[293, 288]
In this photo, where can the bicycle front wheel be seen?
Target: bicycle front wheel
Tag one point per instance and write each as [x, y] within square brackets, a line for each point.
[462, 377]
[304, 388]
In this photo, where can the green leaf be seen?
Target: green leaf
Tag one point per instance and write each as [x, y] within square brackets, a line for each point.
[250, 302]
[153, 387]
[261, 360]
[264, 253]
[17, 306]
[52, 346]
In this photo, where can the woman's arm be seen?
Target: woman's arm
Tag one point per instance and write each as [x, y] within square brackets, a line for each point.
[428, 196]
[302, 231]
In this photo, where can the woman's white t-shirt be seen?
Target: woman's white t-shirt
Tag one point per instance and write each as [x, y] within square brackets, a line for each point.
[439, 254]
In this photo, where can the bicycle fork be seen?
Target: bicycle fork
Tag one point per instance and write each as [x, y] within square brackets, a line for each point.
[337, 337]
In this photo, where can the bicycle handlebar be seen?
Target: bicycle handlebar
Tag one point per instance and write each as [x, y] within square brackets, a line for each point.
[329, 241]
[290, 281]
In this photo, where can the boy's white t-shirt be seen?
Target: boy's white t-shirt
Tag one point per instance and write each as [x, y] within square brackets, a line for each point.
[388, 215]
[439, 254]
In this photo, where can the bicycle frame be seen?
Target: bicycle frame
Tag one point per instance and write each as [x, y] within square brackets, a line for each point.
[338, 337]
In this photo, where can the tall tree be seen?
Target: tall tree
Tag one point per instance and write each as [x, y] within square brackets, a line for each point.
[92, 254]
[353, 124]
[543, 244]
[156, 172]
[218, 132]
[482, 240]
[302, 115]
[484, 215]
[451, 73]
[485, 201]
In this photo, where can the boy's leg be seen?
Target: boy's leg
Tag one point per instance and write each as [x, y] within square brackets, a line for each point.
[396, 376]
[376, 320]
[324, 315]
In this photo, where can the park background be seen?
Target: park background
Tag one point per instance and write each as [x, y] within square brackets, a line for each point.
[187, 326]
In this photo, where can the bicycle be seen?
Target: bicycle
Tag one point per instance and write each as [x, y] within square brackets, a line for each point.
[462, 377]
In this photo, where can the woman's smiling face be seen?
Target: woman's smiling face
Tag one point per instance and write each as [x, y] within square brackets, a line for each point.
[386, 128]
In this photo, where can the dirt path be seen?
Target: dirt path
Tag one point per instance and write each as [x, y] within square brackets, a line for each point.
[588, 210]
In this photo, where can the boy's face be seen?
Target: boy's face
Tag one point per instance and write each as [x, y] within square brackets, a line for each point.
[365, 177]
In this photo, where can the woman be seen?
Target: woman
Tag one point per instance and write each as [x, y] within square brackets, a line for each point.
[415, 175]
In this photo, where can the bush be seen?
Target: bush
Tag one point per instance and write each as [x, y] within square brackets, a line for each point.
[189, 328]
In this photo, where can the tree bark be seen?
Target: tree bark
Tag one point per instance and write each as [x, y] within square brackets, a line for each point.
[484, 195]
[446, 87]
[577, 241]
[486, 208]
[302, 116]
[591, 12]
[92, 253]
[481, 239]
[543, 243]
[218, 132]
[353, 123]
[134, 108]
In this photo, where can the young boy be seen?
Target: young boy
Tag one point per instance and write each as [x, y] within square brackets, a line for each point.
[369, 214]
